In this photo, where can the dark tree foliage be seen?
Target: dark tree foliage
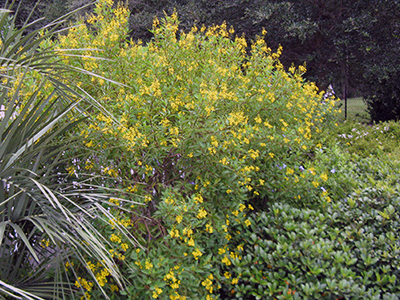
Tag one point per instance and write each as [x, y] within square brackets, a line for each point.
[189, 11]
[28, 11]
[383, 97]
[42, 12]
[380, 84]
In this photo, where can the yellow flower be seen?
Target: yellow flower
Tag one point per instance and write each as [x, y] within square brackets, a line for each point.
[209, 228]
[148, 265]
[124, 246]
[226, 261]
[115, 201]
[289, 171]
[115, 238]
[175, 285]
[71, 171]
[174, 233]
[324, 177]
[179, 219]
[234, 281]
[114, 288]
[198, 199]
[202, 213]
[247, 222]
[197, 253]
[157, 292]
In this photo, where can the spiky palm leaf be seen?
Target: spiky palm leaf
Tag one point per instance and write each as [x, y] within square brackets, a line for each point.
[45, 220]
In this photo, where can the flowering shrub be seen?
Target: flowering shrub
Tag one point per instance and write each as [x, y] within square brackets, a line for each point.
[198, 133]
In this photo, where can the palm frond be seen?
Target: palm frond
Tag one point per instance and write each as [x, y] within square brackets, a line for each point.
[45, 220]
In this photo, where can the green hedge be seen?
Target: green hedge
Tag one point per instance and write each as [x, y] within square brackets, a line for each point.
[346, 250]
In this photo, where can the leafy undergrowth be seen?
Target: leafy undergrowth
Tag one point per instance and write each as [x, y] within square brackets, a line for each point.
[347, 248]
[365, 140]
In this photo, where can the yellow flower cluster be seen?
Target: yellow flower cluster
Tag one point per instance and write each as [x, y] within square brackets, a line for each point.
[208, 283]
[171, 279]
[157, 292]
[44, 243]
[82, 282]
[201, 214]
[197, 253]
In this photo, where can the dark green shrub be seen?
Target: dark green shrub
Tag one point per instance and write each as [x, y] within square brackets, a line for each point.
[345, 250]
[383, 97]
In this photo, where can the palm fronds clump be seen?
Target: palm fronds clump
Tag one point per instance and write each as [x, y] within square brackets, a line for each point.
[46, 219]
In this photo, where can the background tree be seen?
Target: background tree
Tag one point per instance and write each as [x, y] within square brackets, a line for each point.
[380, 62]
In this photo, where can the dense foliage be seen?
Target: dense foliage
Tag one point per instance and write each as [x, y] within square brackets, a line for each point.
[345, 250]
[222, 165]
[382, 96]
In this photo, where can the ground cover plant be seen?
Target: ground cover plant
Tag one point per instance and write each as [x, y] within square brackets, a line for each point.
[379, 139]
[215, 146]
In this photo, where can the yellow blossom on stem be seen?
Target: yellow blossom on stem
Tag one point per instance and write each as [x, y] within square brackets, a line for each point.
[201, 214]
[179, 219]
[197, 253]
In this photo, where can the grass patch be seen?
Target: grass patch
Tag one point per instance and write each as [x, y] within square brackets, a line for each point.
[356, 110]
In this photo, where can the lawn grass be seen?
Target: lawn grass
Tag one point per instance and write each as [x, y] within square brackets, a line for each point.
[356, 110]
